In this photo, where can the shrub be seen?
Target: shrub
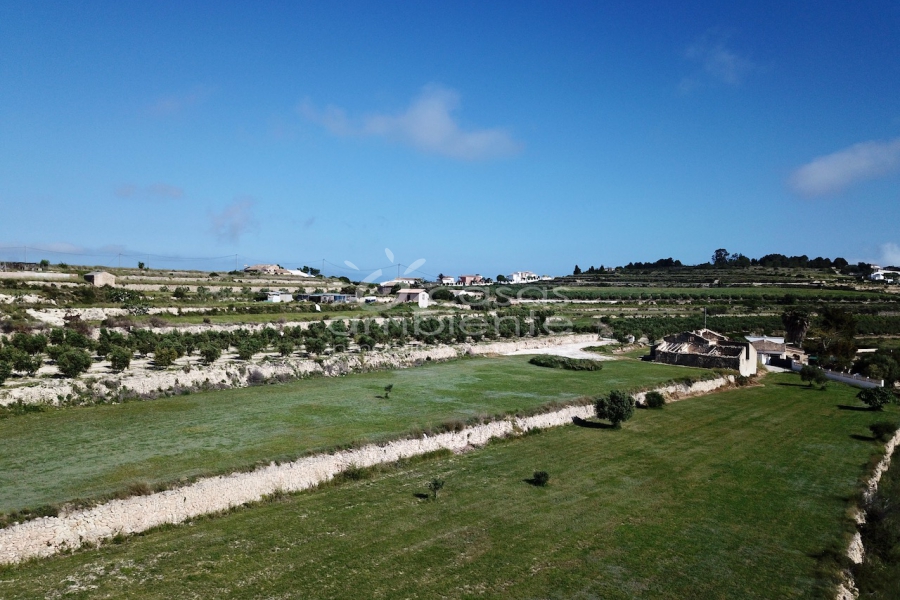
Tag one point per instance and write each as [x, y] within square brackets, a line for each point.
[210, 353]
[813, 375]
[285, 347]
[388, 389]
[654, 400]
[5, 371]
[256, 377]
[73, 362]
[883, 430]
[560, 362]
[164, 356]
[120, 358]
[617, 407]
[876, 398]
[434, 486]
[540, 478]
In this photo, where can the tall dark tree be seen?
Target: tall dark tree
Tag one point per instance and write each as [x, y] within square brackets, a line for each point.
[577, 270]
[720, 257]
[796, 324]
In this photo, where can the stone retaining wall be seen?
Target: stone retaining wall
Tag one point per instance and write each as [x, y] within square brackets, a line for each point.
[228, 374]
[856, 552]
[48, 535]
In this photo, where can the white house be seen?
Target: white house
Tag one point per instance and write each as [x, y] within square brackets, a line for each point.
[884, 275]
[417, 296]
[279, 297]
[446, 280]
[522, 277]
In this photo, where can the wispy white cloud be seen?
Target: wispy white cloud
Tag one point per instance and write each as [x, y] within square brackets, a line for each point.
[835, 172]
[172, 104]
[428, 124]
[718, 62]
[156, 191]
[234, 220]
[890, 254]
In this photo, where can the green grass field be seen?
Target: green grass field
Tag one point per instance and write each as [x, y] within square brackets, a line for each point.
[62, 455]
[733, 495]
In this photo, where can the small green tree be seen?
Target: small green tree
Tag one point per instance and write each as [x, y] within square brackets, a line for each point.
[388, 389]
[315, 345]
[164, 356]
[540, 478]
[210, 353]
[435, 485]
[285, 347]
[73, 362]
[877, 398]
[617, 407]
[140, 265]
[120, 358]
[813, 375]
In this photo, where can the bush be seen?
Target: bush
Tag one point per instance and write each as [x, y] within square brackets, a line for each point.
[5, 371]
[540, 478]
[616, 408]
[883, 430]
[210, 353]
[120, 358]
[246, 349]
[654, 400]
[435, 485]
[560, 362]
[73, 362]
[876, 398]
[813, 375]
[164, 356]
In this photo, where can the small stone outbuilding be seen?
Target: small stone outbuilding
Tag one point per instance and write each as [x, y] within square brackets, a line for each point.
[100, 278]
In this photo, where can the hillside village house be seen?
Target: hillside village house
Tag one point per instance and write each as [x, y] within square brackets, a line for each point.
[416, 296]
[706, 349]
[100, 278]
[522, 277]
[263, 269]
[470, 279]
[446, 280]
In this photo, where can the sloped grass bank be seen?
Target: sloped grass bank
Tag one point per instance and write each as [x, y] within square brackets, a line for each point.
[90, 453]
[739, 494]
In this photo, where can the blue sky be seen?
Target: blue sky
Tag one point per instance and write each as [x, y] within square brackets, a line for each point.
[481, 137]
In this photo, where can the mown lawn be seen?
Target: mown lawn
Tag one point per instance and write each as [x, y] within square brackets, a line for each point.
[732, 495]
[61, 455]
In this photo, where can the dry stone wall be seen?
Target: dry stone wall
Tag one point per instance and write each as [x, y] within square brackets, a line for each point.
[228, 374]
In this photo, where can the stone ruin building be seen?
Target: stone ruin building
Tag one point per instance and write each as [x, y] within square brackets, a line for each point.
[706, 349]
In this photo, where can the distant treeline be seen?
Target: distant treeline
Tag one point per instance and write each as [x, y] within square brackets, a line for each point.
[723, 258]
[657, 327]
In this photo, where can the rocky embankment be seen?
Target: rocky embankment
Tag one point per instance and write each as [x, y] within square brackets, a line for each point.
[228, 373]
[856, 552]
[49, 535]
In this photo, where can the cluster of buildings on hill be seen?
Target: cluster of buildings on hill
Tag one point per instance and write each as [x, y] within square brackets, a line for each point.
[463, 280]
